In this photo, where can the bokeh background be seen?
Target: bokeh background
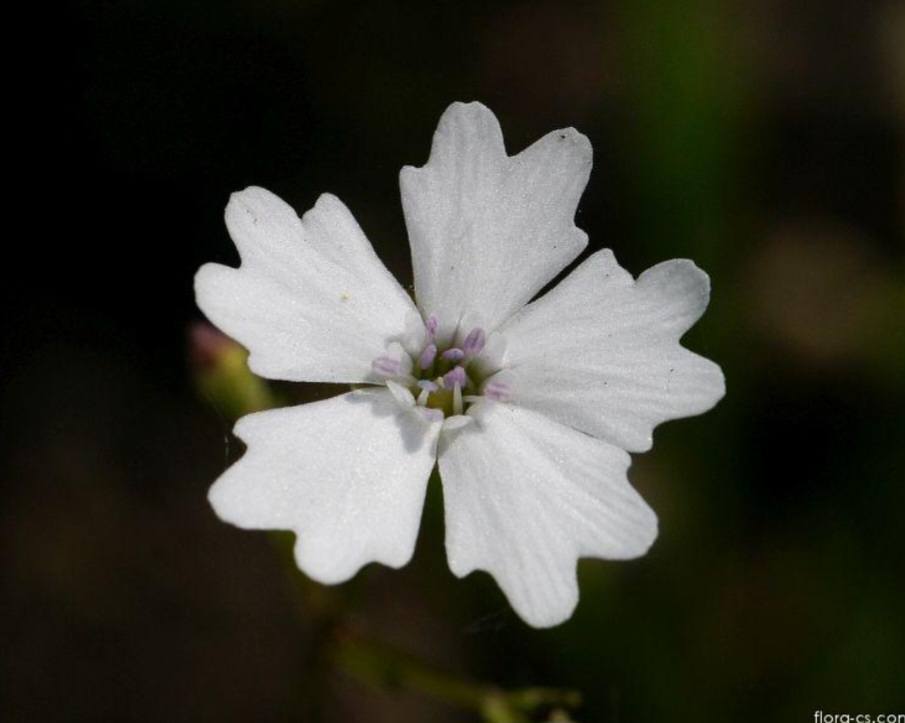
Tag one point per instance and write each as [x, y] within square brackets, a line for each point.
[762, 138]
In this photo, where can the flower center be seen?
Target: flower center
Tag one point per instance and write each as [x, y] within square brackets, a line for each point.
[442, 379]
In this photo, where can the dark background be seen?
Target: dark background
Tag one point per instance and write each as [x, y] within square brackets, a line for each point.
[763, 139]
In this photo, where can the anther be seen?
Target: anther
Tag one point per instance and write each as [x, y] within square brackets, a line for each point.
[453, 355]
[474, 342]
[432, 324]
[427, 356]
[427, 388]
[455, 376]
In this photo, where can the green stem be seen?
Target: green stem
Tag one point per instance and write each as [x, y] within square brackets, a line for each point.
[385, 668]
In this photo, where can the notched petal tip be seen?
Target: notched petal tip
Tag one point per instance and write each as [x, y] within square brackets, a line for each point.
[461, 125]
[251, 201]
[323, 568]
[719, 386]
[576, 141]
[329, 199]
[653, 533]
[474, 122]
[540, 617]
[605, 264]
[712, 385]
[257, 218]
[232, 504]
[219, 501]
[565, 151]
[252, 426]
[711, 389]
[252, 191]
[551, 618]
[317, 559]
[205, 278]
[313, 565]
[408, 174]
[647, 529]
[471, 109]
[678, 275]
[326, 205]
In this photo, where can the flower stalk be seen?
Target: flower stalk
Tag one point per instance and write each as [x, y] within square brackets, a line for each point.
[380, 666]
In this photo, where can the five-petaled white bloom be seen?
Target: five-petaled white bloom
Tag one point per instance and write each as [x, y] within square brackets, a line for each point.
[528, 408]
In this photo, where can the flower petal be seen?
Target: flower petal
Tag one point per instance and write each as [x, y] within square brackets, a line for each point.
[600, 352]
[526, 497]
[311, 300]
[489, 231]
[347, 475]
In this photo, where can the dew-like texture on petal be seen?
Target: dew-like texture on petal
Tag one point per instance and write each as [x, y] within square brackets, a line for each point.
[311, 300]
[347, 475]
[601, 353]
[489, 231]
[525, 497]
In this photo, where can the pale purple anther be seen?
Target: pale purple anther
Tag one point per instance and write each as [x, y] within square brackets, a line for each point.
[386, 366]
[474, 342]
[497, 391]
[454, 355]
[427, 385]
[432, 324]
[454, 376]
[427, 356]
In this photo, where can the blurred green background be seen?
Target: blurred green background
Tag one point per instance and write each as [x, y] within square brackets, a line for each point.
[763, 139]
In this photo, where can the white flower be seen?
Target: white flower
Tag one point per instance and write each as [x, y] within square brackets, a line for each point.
[529, 408]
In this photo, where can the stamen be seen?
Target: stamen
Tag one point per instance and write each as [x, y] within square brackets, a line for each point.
[427, 356]
[457, 399]
[474, 342]
[432, 324]
[455, 376]
[401, 394]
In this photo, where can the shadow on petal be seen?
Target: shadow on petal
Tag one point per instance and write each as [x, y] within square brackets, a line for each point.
[413, 428]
